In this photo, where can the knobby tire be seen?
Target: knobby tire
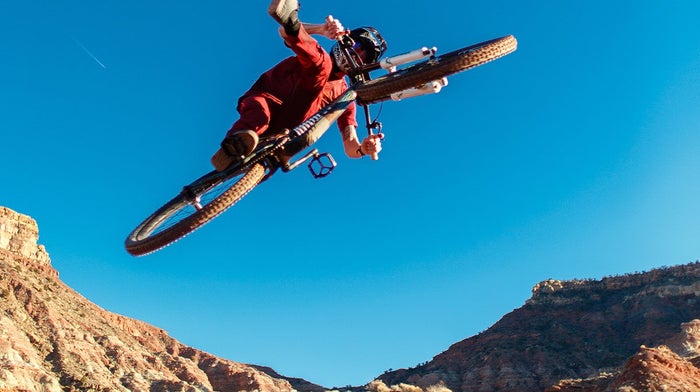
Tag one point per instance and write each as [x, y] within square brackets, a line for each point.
[380, 89]
[146, 238]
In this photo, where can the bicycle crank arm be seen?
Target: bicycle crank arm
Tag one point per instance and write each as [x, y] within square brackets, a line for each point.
[291, 166]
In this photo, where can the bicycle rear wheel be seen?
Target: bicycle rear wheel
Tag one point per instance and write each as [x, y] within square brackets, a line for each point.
[191, 209]
[380, 89]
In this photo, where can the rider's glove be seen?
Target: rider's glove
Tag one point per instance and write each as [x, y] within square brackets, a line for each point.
[372, 144]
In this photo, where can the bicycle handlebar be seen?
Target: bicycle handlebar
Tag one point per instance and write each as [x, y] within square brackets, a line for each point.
[345, 42]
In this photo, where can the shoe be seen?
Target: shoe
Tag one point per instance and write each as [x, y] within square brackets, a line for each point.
[240, 143]
[285, 12]
[234, 148]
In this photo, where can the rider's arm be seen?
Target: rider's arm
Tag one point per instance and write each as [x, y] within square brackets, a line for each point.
[351, 144]
[354, 149]
[331, 29]
[314, 61]
[348, 130]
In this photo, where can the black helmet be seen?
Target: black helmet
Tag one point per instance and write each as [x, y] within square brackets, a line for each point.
[368, 47]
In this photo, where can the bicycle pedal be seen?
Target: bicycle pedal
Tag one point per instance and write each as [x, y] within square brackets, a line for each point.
[322, 164]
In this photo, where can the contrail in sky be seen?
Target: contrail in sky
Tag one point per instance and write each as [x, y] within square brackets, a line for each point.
[89, 53]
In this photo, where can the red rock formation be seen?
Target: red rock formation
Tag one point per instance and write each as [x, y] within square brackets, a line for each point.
[53, 339]
[581, 330]
[657, 369]
[584, 332]
[650, 370]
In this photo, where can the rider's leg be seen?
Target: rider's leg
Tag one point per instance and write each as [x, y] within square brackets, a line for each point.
[242, 138]
[286, 13]
[234, 147]
[255, 114]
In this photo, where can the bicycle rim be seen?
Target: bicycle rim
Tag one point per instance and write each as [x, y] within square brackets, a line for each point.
[189, 211]
[380, 89]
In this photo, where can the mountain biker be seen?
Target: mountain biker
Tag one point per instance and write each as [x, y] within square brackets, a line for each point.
[296, 88]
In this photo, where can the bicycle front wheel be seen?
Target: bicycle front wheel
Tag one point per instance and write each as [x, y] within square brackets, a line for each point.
[380, 89]
[197, 204]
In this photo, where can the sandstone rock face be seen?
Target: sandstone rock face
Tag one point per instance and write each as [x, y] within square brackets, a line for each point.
[583, 331]
[649, 370]
[580, 335]
[18, 235]
[687, 342]
[53, 339]
[657, 369]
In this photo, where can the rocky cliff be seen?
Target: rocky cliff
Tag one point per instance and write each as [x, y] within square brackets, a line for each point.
[53, 339]
[586, 331]
[630, 333]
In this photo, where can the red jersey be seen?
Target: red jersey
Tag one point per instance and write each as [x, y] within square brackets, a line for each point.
[299, 86]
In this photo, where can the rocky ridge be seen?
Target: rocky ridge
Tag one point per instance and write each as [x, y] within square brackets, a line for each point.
[588, 332]
[617, 334]
[650, 369]
[53, 339]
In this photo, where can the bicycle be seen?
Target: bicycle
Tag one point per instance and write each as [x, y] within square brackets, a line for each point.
[210, 195]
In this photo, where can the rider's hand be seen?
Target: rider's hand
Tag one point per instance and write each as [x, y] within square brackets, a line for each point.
[333, 28]
[372, 144]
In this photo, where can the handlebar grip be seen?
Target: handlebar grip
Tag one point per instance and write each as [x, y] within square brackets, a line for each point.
[339, 38]
[375, 156]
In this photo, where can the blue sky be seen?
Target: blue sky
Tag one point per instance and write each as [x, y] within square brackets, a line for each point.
[574, 157]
